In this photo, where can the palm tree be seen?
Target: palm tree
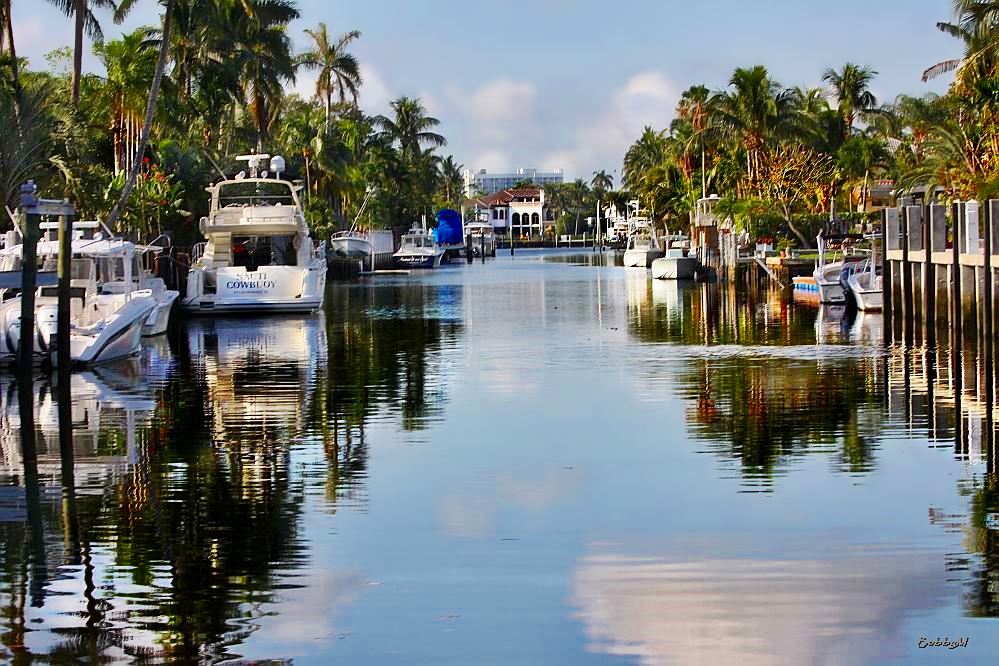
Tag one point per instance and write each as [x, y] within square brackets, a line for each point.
[129, 66]
[410, 127]
[851, 87]
[339, 71]
[693, 109]
[977, 27]
[154, 92]
[451, 178]
[602, 181]
[85, 21]
[649, 150]
[301, 131]
[755, 111]
[256, 38]
[7, 36]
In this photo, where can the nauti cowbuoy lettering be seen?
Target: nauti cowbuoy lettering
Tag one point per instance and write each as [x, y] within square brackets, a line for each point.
[252, 281]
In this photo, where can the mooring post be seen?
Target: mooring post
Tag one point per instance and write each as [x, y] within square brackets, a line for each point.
[936, 223]
[991, 208]
[29, 268]
[63, 293]
[907, 314]
[888, 218]
[468, 249]
[957, 219]
[482, 246]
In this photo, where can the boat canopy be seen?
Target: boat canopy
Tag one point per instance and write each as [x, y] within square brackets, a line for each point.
[83, 247]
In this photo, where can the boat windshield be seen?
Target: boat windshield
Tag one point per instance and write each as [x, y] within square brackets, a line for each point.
[254, 251]
[79, 269]
[255, 193]
[417, 241]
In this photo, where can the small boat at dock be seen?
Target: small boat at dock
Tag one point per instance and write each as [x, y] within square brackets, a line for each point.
[419, 249]
[826, 276]
[675, 264]
[866, 287]
[482, 238]
[643, 246]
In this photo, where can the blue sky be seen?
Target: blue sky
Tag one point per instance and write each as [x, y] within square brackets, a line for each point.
[565, 83]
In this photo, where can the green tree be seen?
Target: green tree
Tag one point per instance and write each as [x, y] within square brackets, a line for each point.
[84, 21]
[339, 71]
[851, 88]
[410, 127]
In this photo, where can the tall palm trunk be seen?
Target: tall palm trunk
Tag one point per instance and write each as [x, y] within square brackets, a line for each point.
[9, 29]
[154, 92]
[79, 14]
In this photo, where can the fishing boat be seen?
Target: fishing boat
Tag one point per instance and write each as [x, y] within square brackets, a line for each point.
[258, 255]
[643, 245]
[103, 326]
[866, 287]
[826, 276]
[419, 249]
[482, 237]
[354, 243]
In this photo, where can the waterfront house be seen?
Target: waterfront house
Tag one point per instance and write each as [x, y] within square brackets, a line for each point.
[522, 211]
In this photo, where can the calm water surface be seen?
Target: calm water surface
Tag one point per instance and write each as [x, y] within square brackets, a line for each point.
[534, 460]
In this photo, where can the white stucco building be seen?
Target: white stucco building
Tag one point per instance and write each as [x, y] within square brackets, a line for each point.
[522, 211]
[482, 182]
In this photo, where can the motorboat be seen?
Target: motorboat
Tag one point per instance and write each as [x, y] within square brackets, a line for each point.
[257, 255]
[866, 286]
[110, 269]
[643, 245]
[826, 276]
[617, 233]
[354, 243]
[676, 262]
[419, 249]
[103, 326]
[482, 237]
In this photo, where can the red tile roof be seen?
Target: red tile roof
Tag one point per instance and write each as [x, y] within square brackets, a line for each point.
[504, 197]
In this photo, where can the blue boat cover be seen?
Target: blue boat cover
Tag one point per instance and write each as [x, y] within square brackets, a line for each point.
[449, 229]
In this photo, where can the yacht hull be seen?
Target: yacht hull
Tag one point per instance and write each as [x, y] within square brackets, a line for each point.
[352, 247]
[117, 336]
[866, 291]
[674, 268]
[641, 258]
[268, 289]
[159, 319]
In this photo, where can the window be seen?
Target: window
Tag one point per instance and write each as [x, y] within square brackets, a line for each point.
[255, 251]
[535, 219]
[516, 219]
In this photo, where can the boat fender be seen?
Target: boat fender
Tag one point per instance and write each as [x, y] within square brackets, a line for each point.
[297, 242]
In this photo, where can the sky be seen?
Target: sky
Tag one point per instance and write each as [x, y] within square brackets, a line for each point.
[571, 83]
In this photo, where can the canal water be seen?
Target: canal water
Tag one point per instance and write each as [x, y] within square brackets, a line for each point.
[532, 460]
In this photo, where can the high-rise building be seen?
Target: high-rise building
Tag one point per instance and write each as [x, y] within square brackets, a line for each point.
[481, 182]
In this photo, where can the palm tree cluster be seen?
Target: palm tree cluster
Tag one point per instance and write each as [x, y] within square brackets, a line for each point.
[175, 103]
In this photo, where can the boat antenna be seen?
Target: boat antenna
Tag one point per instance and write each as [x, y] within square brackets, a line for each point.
[369, 191]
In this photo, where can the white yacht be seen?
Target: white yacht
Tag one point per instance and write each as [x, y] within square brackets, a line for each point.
[675, 264]
[643, 245]
[483, 238]
[258, 255]
[419, 249]
[866, 287]
[103, 326]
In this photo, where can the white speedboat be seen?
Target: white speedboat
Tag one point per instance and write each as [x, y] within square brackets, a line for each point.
[110, 268]
[351, 244]
[483, 238]
[419, 249]
[643, 246]
[103, 326]
[867, 287]
[258, 255]
[827, 274]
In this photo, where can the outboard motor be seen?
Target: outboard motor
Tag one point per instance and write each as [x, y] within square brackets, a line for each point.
[47, 321]
[12, 330]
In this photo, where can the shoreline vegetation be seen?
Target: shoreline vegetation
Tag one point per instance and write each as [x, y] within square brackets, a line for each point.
[137, 144]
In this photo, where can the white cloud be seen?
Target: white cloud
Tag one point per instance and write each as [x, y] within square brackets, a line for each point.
[374, 92]
[647, 98]
[495, 120]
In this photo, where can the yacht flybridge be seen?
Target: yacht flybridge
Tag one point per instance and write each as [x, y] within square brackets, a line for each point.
[257, 255]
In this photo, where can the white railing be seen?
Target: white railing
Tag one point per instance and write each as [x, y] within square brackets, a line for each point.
[197, 252]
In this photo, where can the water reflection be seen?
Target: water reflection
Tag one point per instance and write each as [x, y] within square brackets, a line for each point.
[843, 607]
[439, 461]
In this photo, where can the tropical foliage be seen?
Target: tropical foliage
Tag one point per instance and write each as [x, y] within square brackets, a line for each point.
[224, 78]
